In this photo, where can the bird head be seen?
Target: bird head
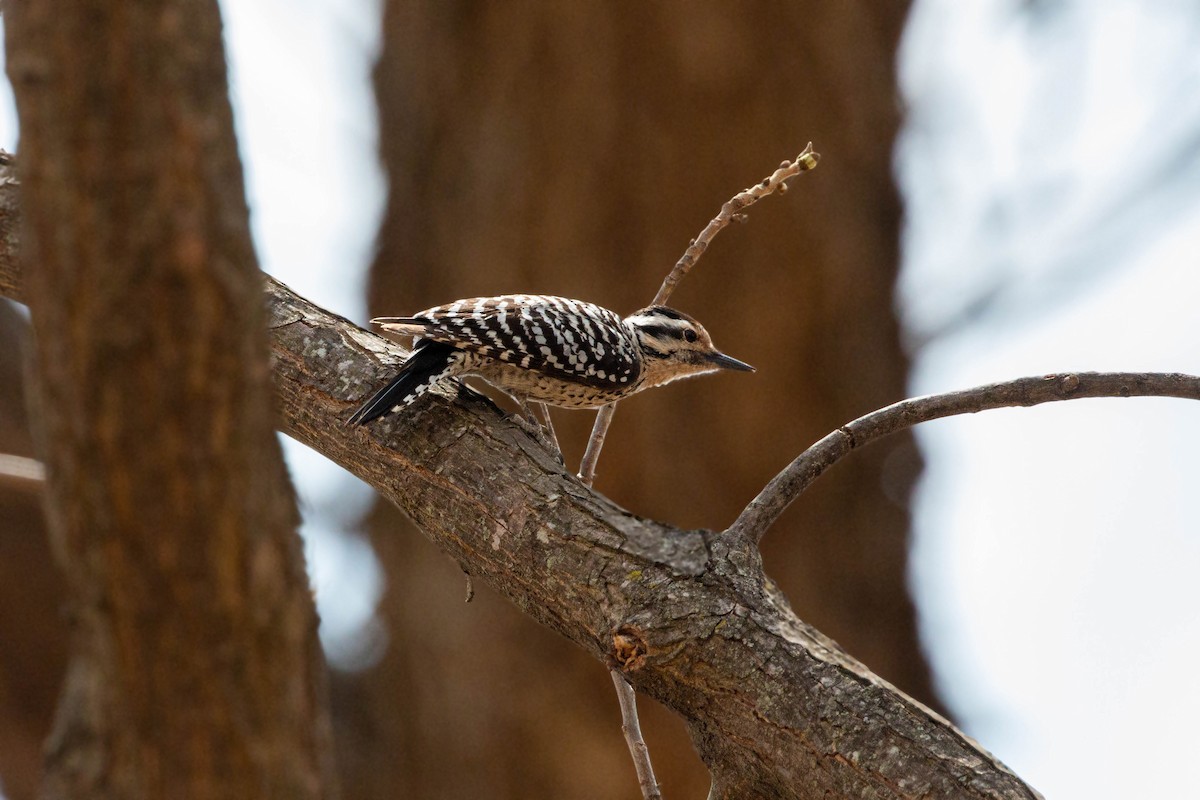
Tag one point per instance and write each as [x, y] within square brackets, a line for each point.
[676, 346]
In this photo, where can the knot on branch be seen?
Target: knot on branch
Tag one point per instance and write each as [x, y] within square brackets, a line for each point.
[628, 649]
[1067, 384]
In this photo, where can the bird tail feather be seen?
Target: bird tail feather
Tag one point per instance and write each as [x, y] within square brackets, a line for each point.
[429, 363]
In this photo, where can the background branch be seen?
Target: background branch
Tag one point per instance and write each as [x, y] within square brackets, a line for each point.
[11, 285]
[785, 487]
[24, 473]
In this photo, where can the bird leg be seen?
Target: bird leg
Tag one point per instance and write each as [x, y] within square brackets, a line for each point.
[550, 431]
[542, 432]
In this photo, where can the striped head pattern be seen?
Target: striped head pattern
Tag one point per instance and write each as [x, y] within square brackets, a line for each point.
[674, 345]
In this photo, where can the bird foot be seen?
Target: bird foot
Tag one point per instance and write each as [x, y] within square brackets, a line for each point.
[537, 431]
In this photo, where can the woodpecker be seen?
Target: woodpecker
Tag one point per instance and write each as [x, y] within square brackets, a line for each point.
[551, 350]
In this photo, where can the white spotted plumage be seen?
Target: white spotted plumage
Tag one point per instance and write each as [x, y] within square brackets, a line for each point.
[553, 350]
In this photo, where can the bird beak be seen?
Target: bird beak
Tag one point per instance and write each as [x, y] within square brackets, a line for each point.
[727, 362]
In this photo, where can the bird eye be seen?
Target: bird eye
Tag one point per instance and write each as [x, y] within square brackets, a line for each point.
[690, 335]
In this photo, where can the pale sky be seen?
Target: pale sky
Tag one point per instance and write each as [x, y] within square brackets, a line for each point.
[1052, 164]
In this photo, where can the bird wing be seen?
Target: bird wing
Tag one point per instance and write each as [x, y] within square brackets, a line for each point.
[567, 339]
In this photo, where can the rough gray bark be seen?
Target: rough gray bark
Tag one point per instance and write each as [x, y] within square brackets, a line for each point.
[776, 709]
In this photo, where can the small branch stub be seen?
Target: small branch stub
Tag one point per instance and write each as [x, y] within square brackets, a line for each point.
[8, 169]
[25, 473]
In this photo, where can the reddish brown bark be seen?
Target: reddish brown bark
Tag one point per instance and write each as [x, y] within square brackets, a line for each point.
[195, 671]
[34, 650]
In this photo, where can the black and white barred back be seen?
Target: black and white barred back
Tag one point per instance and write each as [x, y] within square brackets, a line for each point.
[547, 349]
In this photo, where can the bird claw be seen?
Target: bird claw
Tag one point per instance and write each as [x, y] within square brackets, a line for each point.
[538, 433]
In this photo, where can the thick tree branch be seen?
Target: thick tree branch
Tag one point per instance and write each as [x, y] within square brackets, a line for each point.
[785, 487]
[775, 709]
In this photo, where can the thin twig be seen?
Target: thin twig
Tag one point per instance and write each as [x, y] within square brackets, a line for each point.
[587, 465]
[812, 463]
[633, 737]
[24, 473]
[733, 209]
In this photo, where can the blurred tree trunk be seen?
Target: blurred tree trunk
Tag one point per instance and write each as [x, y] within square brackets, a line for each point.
[195, 671]
[34, 652]
[575, 149]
